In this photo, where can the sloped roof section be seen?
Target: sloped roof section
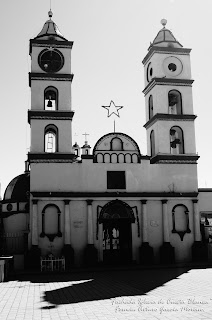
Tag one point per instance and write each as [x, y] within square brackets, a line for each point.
[165, 38]
[50, 29]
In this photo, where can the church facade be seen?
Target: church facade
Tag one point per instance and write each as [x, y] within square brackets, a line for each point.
[112, 205]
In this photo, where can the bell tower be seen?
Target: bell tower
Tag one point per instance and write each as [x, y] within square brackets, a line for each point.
[168, 101]
[51, 114]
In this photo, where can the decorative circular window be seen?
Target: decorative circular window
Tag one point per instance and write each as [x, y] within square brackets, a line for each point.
[51, 60]
[172, 66]
[9, 207]
[149, 72]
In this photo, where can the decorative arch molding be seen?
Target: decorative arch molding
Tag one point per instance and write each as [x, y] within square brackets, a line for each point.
[57, 233]
[183, 227]
[123, 212]
[118, 205]
[113, 157]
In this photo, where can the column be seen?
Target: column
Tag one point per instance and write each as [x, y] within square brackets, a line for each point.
[167, 253]
[68, 251]
[90, 221]
[34, 222]
[199, 249]
[91, 253]
[197, 234]
[166, 237]
[100, 237]
[32, 259]
[146, 252]
[67, 223]
[145, 221]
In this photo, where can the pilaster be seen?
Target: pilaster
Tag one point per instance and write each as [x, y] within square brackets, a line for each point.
[146, 251]
[199, 249]
[91, 254]
[166, 250]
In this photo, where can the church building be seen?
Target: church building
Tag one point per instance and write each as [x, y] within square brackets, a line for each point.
[110, 204]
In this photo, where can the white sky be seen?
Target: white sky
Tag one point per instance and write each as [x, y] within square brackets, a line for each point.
[111, 38]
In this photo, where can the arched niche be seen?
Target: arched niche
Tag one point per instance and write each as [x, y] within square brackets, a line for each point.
[180, 219]
[51, 216]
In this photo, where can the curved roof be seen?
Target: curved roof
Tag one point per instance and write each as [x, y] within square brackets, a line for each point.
[104, 143]
[165, 38]
[18, 189]
[50, 29]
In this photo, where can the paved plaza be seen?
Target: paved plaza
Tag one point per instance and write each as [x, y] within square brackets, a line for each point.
[164, 293]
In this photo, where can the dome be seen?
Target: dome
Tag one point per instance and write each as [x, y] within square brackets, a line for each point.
[165, 38]
[50, 29]
[18, 189]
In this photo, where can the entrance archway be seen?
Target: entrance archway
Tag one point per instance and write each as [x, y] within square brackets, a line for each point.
[116, 218]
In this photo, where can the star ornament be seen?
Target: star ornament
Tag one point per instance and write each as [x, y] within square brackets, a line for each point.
[112, 109]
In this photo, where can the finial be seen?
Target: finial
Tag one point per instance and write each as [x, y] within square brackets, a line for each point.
[86, 134]
[50, 13]
[163, 22]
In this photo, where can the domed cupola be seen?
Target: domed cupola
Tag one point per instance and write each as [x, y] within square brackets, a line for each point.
[50, 30]
[16, 196]
[165, 38]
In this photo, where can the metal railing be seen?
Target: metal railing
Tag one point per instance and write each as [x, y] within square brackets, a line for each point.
[52, 263]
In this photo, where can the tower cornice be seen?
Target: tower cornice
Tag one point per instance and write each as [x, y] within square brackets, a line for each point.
[169, 117]
[50, 76]
[167, 81]
[44, 114]
[45, 157]
[167, 50]
[177, 158]
[49, 43]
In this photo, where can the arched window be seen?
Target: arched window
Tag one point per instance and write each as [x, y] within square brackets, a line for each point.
[51, 139]
[176, 140]
[50, 99]
[152, 143]
[175, 102]
[150, 106]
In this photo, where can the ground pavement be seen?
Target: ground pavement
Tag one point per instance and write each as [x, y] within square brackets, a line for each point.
[162, 293]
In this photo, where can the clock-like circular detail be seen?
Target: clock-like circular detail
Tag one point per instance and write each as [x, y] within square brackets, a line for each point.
[149, 72]
[172, 66]
[51, 60]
